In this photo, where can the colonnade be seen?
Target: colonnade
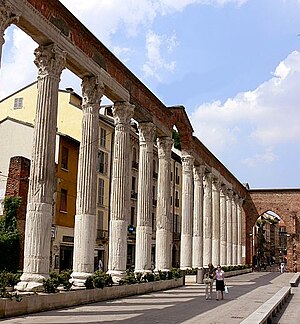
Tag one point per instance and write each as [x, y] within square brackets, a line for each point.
[211, 228]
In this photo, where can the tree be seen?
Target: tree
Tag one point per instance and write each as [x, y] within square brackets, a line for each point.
[176, 138]
[10, 237]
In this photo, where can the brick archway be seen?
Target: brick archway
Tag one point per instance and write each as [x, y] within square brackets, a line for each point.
[286, 204]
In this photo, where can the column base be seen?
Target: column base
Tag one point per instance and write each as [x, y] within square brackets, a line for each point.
[142, 271]
[162, 270]
[31, 282]
[116, 275]
[78, 278]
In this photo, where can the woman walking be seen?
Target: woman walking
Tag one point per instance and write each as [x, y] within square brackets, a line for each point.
[208, 280]
[220, 285]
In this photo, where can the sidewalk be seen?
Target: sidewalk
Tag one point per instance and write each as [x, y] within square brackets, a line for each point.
[181, 305]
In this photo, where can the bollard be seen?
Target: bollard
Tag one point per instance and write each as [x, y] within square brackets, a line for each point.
[199, 276]
[183, 277]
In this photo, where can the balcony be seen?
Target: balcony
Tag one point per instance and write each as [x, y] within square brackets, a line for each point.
[133, 194]
[102, 234]
[154, 202]
[135, 165]
[176, 236]
[155, 175]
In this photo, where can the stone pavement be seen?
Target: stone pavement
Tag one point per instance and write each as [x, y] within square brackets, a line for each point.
[181, 305]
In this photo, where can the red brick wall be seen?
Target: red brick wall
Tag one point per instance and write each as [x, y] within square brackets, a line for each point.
[286, 204]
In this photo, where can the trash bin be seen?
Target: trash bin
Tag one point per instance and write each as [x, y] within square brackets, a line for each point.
[199, 276]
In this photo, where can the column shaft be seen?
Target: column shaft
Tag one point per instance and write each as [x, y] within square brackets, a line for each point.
[207, 220]
[163, 248]
[234, 231]
[216, 221]
[197, 260]
[223, 226]
[50, 61]
[229, 226]
[187, 212]
[144, 203]
[120, 193]
[85, 218]
[240, 223]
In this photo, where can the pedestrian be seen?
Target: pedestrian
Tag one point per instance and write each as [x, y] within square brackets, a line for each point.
[282, 266]
[220, 284]
[100, 265]
[208, 280]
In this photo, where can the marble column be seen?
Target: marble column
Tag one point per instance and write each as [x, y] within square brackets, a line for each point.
[163, 248]
[229, 226]
[197, 259]
[223, 226]
[240, 231]
[120, 191]
[8, 16]
[187, 211]
[207, 220]
[234, 230]
[85, 218]
[144, 203]
[215, 221]
[50, 61]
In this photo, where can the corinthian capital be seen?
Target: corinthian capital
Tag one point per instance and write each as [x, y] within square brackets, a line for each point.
[187, 162]
[199, 172]
[92, 91]
[50, 60]
[8, 15]
[122, 111]
[146, 132]
[164, 146]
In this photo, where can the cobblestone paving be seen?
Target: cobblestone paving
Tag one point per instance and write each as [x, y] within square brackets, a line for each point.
[181, 305]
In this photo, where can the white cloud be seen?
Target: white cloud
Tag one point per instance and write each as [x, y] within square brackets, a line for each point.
[18, 69]
[265, 158]
[155, 62]
[123, 53]
[267, 116]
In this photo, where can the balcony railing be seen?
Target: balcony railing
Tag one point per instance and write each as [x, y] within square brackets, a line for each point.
[176, 236]
[102, 234]
[133, 194]
[154, 202]
[155, 175]
[135, 165]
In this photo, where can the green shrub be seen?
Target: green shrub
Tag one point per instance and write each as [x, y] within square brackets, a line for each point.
[64, 279]
[50, 285]
[192, 271]
[89, 283]
[176, 273]
[9, 236]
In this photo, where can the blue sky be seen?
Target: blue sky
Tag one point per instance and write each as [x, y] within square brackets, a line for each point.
[234, 65]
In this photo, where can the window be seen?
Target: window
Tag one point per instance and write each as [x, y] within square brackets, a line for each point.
[133, 182]
[153, 221]
[176, 199]
[100, 220]
[132, 216]
[100, 192]
[100, 232]
[176, 224]
[18, 103]
[102, 137]
[102, 162]
[63, 200]
[64, 158]
[135, 164]
[176, 176]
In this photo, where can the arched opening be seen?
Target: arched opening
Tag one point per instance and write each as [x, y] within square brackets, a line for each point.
[269, 242]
